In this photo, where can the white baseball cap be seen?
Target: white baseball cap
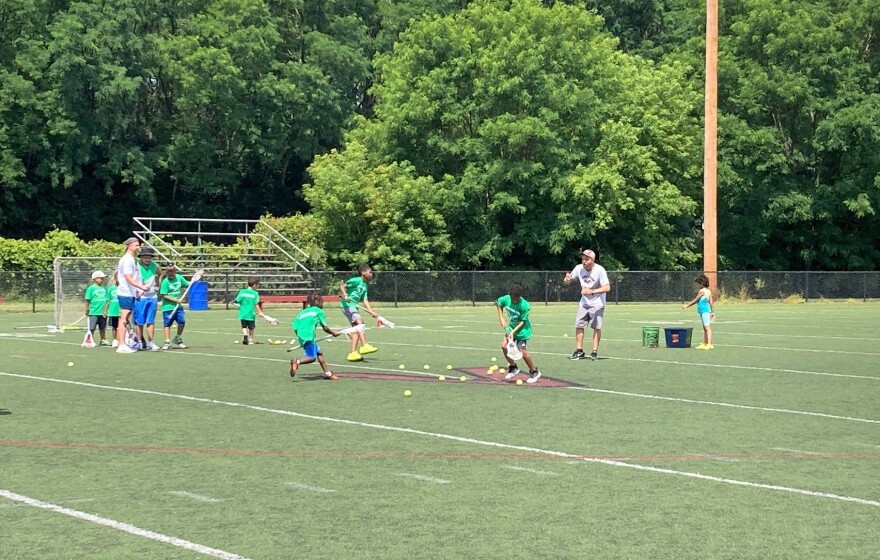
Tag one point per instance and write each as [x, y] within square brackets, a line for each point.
[98, 274]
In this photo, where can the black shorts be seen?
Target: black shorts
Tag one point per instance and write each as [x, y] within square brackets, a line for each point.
[97, 321]
[113, 322]
[252, 324]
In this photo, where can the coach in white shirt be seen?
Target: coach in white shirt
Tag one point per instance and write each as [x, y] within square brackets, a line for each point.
[129, 280]
[594, 285]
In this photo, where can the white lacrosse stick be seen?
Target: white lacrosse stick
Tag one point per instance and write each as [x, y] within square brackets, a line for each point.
[269, 319]
[346, 331]
[88, 340]
[195, 278]
[513, 351]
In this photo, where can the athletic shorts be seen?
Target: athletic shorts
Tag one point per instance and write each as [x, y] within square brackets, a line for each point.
[97, 321]
[706, 318]
[311, 349]
[351, 313]
[113, 322]
[126, 303]
[145, 311]
[245, 324]
[589, 316]
[178, 316]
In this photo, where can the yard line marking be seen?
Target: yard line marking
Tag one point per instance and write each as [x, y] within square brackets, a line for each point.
[424, 478]
[193, 496]
[309, 487]
[461, 439]
[73, 501]
[860, 444]
[528, 470]
[790, 450]
[125, 527]
[726, 405]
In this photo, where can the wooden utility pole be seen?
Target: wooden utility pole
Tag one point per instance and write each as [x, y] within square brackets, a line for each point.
[710, 149]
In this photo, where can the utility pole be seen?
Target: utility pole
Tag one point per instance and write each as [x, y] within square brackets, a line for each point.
[710, 149]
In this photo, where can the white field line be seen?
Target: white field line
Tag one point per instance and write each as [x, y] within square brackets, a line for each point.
[871, 445]
[714, 457]
[60, 502]
[193, 496]
[424, 478]
[528, 470]
[724, 404]
[125, 527]
[308, 487]
[461, 439]
[800, 451]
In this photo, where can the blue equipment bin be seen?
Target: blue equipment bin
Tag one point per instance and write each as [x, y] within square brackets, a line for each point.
[678, 337]
[198, 296]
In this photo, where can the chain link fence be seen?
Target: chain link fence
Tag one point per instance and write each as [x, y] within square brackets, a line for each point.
[35, 290]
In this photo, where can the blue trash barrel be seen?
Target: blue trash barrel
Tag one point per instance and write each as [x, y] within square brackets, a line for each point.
[198, 296]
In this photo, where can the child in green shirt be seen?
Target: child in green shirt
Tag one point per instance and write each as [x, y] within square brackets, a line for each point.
[250, 306]
[171, 292]
[354, 293]
[96, 302]
[304, 325]
[518, 331]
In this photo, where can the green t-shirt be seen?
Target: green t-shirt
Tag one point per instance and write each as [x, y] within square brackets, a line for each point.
[247, 298]
[173, 288]
[306, 323]
[96, 296]
[517, 312]
[148, 274]
[356, 289]
[113, 309]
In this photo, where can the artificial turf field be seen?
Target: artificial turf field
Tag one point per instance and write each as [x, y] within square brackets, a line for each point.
[766, 447]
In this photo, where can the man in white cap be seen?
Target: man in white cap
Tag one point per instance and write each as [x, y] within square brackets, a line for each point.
[594, 285]
[96, 302]
[129, 282]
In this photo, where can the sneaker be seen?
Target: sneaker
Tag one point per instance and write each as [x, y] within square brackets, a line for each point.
[512, 371]
[167, 345]
[125, 349]
[594, 355]
[701, 346]
[152, 346]
[354, 357]
[244, 340]
[114, 344]
[533, 376]
[104, 343]
[294, 366]
[367, 349]
[705, 347]
[181, 345]
[578, 355]
[330, 376]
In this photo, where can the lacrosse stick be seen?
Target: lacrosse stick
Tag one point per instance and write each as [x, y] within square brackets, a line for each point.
[346, 331]
[269, 319]
[195, 278]
[383, 322]
[55, 329]
[513, 351]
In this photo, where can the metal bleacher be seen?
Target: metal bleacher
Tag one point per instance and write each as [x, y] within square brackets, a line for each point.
[229, 251]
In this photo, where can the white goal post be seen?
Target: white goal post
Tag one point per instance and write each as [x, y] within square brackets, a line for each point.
[72, 276]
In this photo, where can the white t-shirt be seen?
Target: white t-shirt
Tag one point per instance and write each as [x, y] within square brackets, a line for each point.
[127, 265]
[592, 279]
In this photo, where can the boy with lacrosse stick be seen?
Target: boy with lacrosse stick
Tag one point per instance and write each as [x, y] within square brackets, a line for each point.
[304, 326]
[145, 306]
[172, 290]
[354, 292]
[96, 301]
[517, 332]
[248, 300]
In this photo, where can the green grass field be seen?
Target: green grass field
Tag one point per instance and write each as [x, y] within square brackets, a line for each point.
[766, 447]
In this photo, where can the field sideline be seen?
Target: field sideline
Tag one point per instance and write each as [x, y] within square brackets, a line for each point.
[766, 447]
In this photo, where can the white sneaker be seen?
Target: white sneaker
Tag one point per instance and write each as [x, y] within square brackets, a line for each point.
[152, 346]
[114, 344]
[534, 377]
[512, 371]
[125, 350]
